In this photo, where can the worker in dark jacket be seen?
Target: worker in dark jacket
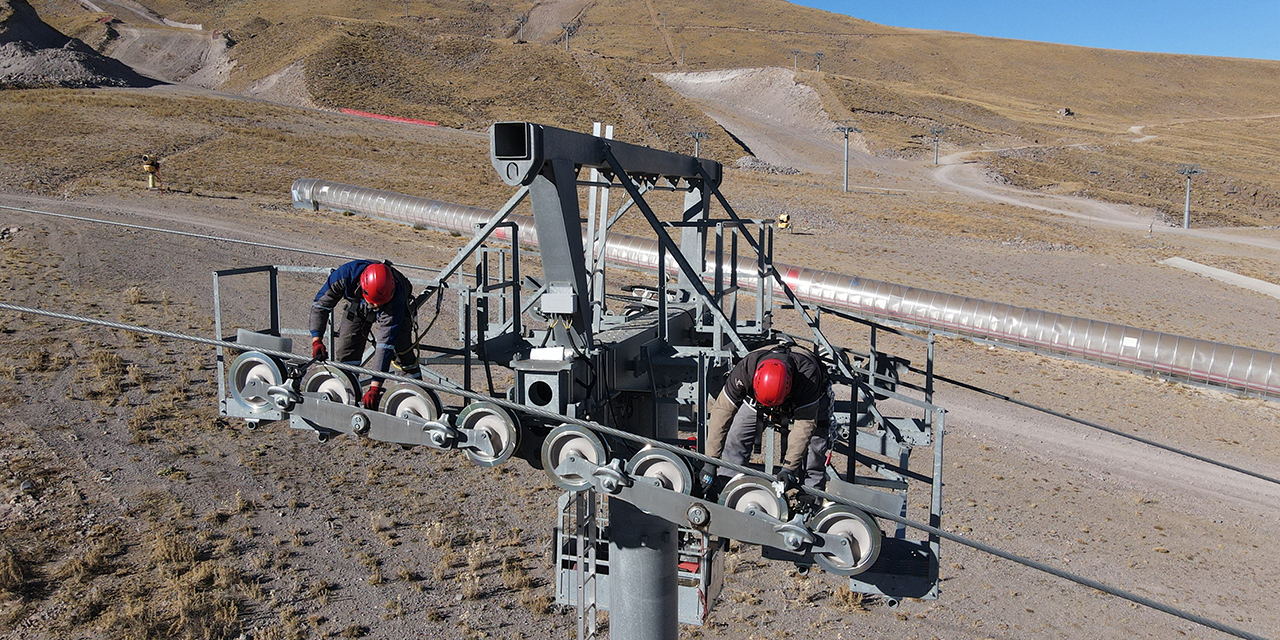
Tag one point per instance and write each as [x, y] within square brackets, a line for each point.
[377, 298]
[789, 385]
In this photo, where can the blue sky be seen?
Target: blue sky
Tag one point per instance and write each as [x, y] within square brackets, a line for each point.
[1233, 28]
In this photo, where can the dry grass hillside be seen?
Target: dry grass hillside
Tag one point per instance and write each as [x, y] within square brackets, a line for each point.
[90, 142]
[1108, 157]
[1108, 88]
[129, 509]
[459, 63]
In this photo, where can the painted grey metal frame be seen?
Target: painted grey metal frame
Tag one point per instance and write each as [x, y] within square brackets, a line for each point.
[696, 265]
[232, 409]
[546, 162]
[1199, 362]
[577, 151]
[276, 327]
[643, 584]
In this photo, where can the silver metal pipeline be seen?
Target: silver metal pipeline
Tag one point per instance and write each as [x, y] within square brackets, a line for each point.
[1245, 370]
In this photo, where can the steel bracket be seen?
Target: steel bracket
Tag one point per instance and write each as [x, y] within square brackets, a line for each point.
[794, 534]
[752, 527]
[282, 398]
[611, 479]
[475, 440]
[316, 412]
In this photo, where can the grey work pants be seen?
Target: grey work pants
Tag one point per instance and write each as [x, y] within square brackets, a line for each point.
[353, 333]
[741, 441]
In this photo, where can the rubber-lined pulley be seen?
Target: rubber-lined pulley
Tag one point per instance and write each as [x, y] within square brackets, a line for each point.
[253, 365]
[571, 440]
[499, 424]
[744, 492]
[337, 384]
[664, 466]
[862, 531]
[404, 399]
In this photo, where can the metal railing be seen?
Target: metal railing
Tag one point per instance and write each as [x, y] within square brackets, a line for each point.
[1204, 362]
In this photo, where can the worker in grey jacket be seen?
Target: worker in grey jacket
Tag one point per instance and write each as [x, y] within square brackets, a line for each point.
[378, 299]
[785, 385]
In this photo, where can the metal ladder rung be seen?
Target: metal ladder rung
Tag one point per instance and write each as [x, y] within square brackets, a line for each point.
[586, 531]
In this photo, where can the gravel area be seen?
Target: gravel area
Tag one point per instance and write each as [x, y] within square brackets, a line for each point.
[34, 55]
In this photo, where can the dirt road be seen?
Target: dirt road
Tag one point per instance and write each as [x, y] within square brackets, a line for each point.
[960, 173]
[784, 123]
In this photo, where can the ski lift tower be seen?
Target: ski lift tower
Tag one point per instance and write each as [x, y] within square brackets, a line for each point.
[606, 379]
[587, 346]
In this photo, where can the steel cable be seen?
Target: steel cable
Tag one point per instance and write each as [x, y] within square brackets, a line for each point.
[189, 234]
[555, 417]
[951, 381]
[1099, 427]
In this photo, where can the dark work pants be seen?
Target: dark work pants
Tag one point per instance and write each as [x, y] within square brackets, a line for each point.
[353, 334]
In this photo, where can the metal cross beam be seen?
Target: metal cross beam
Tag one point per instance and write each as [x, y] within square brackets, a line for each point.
[520, 150]
[665, 241]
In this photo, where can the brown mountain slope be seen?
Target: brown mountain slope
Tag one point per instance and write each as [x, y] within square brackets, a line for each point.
[33, 54]
[459, 64]
[1110, 87]
[1116, 84]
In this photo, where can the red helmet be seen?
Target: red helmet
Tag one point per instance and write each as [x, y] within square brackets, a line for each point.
[378, 284]
[772, 382]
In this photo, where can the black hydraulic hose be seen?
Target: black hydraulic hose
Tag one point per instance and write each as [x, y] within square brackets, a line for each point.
[1099, 427]
[555, 417]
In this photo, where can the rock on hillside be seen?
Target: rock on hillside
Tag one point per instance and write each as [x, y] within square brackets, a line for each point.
[33, 55]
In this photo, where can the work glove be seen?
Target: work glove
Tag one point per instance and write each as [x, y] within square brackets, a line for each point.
[788, 479]
[371, 396]
[318, 352]
[707, 477]
[711, 483]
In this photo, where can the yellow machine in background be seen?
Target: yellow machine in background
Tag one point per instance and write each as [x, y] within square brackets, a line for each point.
[151, 165]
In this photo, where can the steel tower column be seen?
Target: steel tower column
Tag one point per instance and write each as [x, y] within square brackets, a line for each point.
[643, 596]
[1186, 208]
[554, 199]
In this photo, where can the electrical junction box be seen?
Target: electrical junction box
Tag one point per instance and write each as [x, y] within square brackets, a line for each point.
[559, 301]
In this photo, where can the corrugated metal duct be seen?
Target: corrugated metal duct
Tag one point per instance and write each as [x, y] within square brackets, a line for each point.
[1215, 364]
